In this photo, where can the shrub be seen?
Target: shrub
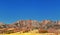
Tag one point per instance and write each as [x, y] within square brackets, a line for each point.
[43, 31]
[8, 31]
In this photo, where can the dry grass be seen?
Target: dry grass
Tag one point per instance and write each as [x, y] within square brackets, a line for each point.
[34, 32]
[30, 34]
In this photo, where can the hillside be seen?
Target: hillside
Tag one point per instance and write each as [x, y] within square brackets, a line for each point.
[45, 26]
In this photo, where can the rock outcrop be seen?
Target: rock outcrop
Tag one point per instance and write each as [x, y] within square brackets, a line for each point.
[28, 25]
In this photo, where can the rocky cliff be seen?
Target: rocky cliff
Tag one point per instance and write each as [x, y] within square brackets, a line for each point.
[27, 25]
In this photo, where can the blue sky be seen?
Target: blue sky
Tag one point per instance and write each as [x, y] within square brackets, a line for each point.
[14, 10]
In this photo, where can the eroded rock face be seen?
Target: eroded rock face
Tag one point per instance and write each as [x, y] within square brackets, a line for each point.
[51, 30]
[27, 25]
[3, 26]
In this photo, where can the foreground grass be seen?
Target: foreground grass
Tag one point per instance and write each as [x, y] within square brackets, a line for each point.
[34, 32]
[30, 34]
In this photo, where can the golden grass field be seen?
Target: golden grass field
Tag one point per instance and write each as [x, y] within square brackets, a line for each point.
[34, 32]
[30, 34]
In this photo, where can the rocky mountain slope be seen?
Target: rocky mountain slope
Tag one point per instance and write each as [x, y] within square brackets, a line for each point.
[27, 25]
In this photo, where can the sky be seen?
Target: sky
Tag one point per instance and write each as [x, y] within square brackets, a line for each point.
[14, 10]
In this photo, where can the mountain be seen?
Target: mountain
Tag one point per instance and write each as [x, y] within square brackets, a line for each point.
[28, 25]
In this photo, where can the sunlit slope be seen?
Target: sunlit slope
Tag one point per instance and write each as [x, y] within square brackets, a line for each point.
[34, 32]
[30, 34]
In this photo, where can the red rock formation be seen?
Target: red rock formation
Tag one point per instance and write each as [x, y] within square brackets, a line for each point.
[27, 25]
[44, 22]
